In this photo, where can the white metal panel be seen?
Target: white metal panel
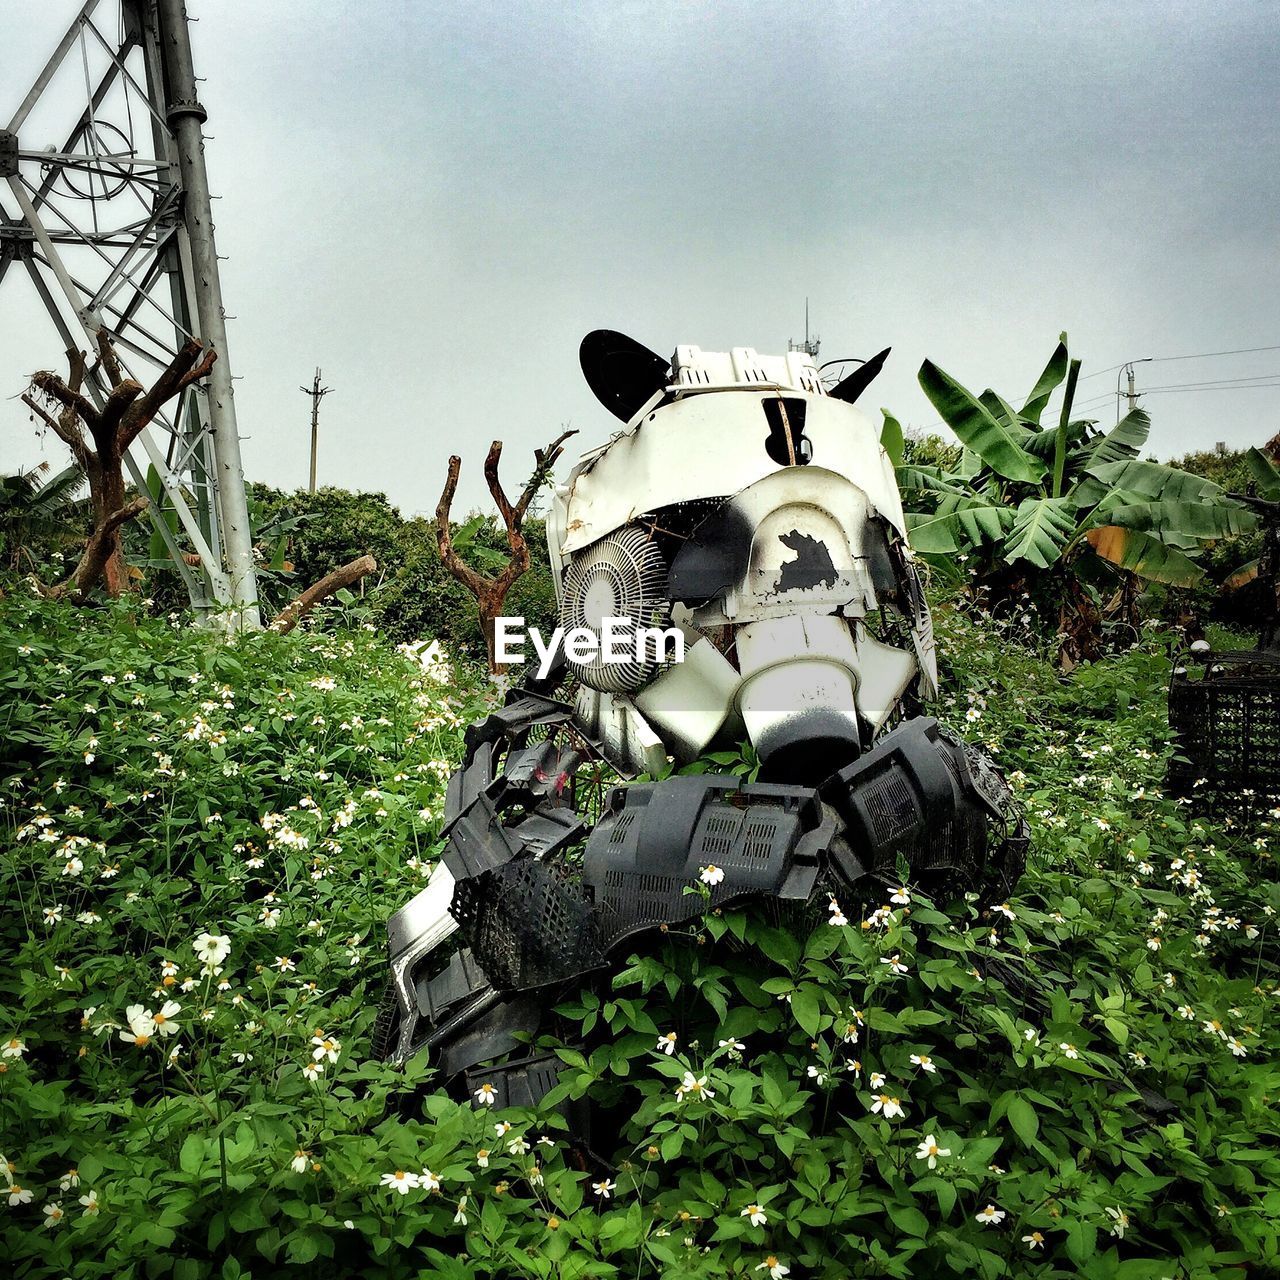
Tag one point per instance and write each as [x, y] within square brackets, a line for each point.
[713, 445]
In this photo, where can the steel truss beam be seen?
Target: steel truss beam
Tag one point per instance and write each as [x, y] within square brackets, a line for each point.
[116, 234]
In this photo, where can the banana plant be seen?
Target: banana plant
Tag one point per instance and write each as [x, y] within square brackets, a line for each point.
[38, 511]
[1046, 494]
[1266, 479]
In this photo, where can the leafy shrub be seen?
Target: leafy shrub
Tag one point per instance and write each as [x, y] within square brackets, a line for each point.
[1092, 1060]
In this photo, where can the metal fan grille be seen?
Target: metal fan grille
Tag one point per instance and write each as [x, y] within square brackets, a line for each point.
[623, 575]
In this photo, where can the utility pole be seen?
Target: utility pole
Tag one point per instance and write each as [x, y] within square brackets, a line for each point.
[1126, 371]
[317, 393]
[112, 225]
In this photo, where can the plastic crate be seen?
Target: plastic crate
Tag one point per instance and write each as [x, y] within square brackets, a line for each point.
[1224, 713]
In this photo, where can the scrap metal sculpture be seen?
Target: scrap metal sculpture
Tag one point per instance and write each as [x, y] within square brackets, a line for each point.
[754, 509]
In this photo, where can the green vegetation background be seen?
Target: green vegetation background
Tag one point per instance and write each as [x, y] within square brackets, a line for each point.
[1103, 1047]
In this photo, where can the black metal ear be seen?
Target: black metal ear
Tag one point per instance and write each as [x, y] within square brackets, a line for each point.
[622, 373]
[850, 388]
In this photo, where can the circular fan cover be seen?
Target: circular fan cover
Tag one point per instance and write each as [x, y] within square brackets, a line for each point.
[622, 575]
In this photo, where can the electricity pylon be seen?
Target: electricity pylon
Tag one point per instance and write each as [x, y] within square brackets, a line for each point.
[118, 239]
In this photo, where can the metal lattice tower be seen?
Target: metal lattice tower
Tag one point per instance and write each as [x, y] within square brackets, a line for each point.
[116, 238]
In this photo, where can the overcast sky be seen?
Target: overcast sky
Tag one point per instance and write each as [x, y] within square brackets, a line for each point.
[434, 202]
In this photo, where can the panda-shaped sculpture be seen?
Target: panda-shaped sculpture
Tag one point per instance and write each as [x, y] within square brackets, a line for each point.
[752, 509]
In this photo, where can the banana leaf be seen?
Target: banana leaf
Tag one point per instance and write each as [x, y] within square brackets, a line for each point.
[977, 518]
[932, 534]
[1244, 575]
[1053, 374]
[1145, 480]
[920, 478]
[977, 428]
[1123, 441]
[1041, 528]
[891, 437]
[1145, 555]
[1197, 520]
[1041, 443]
[1006, 415]
[157, 548]
[1265, 474]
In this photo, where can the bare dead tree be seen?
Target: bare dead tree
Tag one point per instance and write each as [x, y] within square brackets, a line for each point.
[99, 439]
[490, 590]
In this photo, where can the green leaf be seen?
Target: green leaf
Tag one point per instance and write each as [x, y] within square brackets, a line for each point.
[1041, 527]
[931, 533]
[977, 428]
[1043, 443]
[1123, 441]
[1200, 521]
[1062, 437]
[1265, 474]
[1144, 480]
[913, 478]
[192, 1154]
[806, 1010]
[1023, 1118]
[891, 437]
[978, 519]
[1006, 415]
[1054, 372]
[909, 1220]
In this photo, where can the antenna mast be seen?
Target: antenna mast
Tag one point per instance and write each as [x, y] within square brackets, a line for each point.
[810, 345]
[116, 239]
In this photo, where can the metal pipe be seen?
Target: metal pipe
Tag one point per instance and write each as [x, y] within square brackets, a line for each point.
[184, 117]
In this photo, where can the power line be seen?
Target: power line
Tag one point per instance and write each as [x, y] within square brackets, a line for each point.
[1168, 391]
[1198, 355]
[1205, 355]
[1218, 382]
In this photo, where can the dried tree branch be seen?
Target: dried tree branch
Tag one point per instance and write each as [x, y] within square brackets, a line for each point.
[107, 357]
[68, 433]
[183, 370]
[476, 583]
[490, 591]
[345, 576]
[123, 394]
[53, 386]
[98, 550]
[544, 460]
